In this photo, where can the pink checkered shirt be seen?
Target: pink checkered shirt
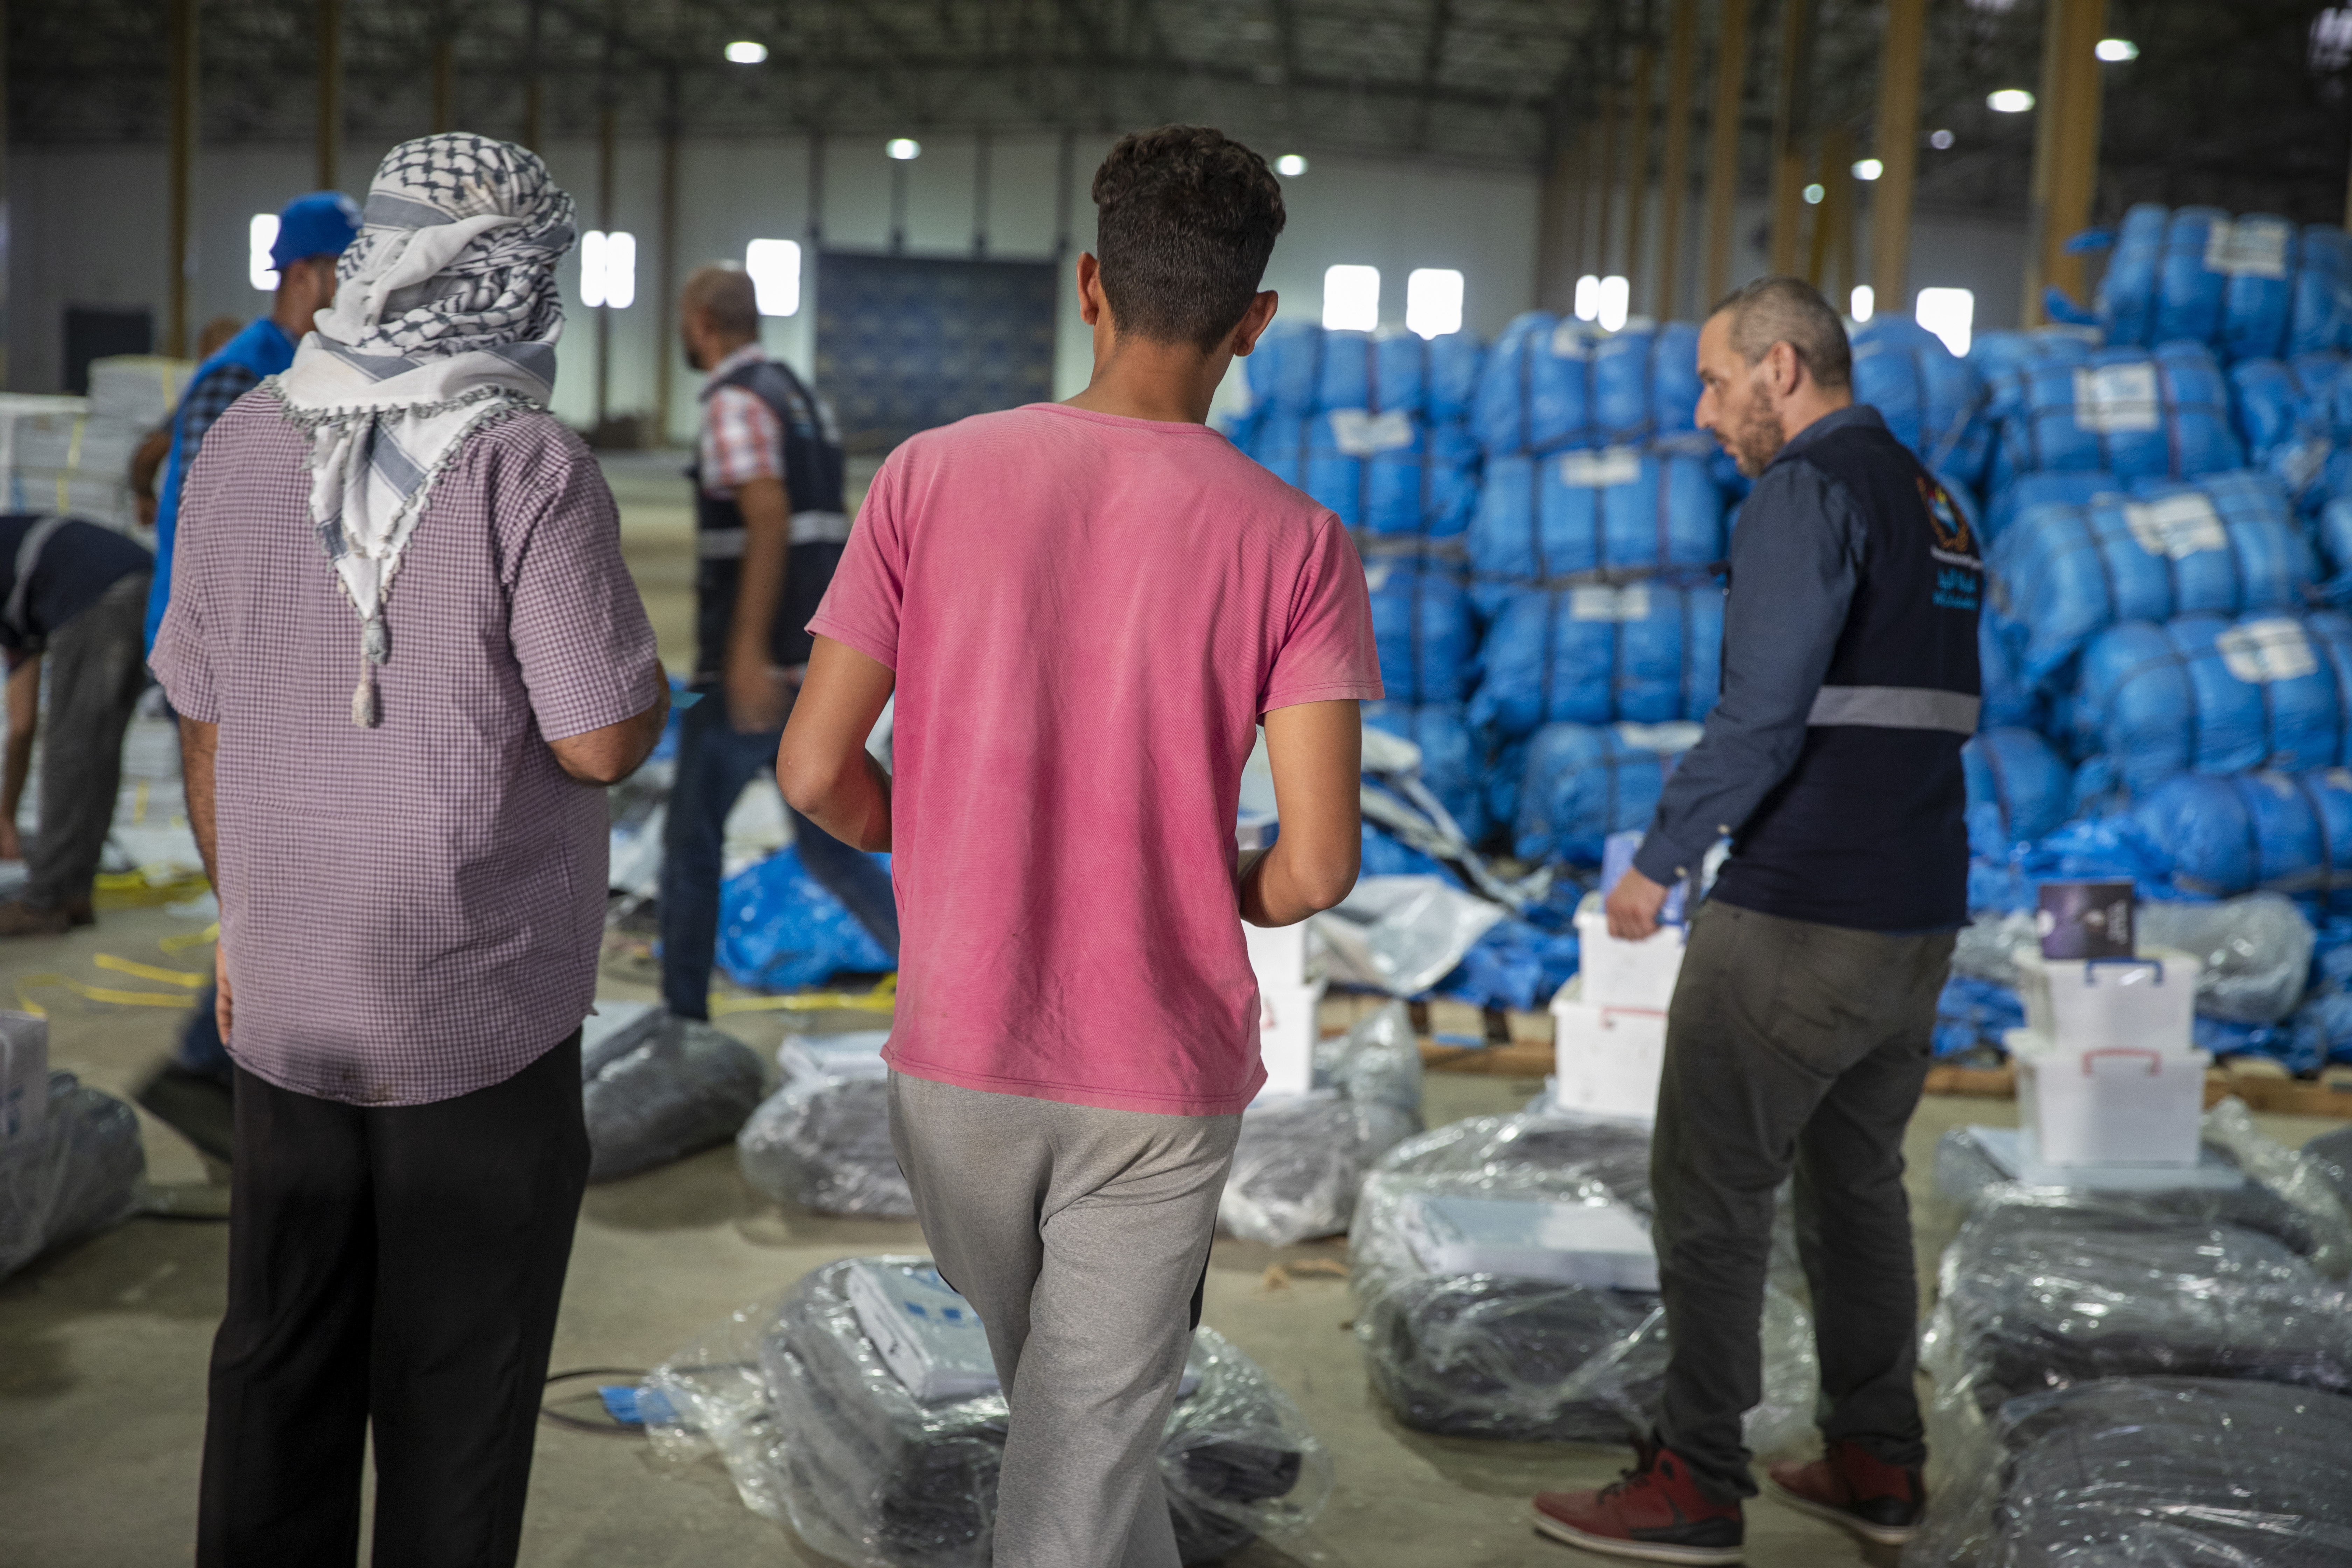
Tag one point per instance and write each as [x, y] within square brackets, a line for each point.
[413, 912]
[742, 438]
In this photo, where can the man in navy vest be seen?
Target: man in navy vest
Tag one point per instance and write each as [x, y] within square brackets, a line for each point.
[191, 1090]
[769, 528]
[1798, 1040]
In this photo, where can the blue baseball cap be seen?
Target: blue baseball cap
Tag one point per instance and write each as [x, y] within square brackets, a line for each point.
[320, 223]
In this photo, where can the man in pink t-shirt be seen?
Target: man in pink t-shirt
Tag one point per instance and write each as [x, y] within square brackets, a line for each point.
[1085, 609]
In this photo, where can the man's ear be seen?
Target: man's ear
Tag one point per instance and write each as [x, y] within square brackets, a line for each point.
[1788, 371]
[1092, 305]
[1254, 322]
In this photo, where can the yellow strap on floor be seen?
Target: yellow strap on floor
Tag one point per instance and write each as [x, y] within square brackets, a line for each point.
[88, 992]
[883, 998]
[194, 938]
[150, 971]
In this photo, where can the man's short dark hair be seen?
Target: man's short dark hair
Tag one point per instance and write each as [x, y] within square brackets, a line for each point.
[1783, 310]
[1184, 220]
[723, 297]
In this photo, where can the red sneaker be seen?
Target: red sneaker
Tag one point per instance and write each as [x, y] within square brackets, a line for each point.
[1655, 1513]
[1850, 1487]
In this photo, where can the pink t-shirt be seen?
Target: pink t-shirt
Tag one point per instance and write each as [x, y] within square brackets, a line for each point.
[1087, 614]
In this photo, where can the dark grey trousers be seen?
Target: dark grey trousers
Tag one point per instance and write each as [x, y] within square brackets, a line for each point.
[98, 667]
[1790, 1047]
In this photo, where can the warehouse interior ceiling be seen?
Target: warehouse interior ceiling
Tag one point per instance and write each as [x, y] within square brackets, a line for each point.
[2242, 102]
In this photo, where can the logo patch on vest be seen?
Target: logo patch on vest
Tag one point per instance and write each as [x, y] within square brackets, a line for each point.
[1955, 544]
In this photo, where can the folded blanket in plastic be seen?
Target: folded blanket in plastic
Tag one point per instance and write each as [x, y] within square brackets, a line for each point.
[1495, 1298]
[81, 1177]
[2159, 1472]
[824, 1143]
[1300, 1160]
[819, 1434]
[656, 1089]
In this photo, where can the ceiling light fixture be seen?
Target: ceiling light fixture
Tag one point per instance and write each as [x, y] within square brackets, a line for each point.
[744, 52]
[2009, 100]
[1290, 165]
[2116, 51]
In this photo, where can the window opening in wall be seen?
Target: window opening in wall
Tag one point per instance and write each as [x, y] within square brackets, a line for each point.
[1950, 313]
[775, 269]
[1433, 301]
[608, 269]
[1351, 298]
[1588, 296]
[260, 270]
[1616, 299]
[1863, 303]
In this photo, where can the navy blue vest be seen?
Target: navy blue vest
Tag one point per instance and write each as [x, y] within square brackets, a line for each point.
[813, 479]
[1869, 829]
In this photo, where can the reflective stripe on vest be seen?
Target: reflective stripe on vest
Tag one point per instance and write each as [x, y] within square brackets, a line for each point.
[1895, 708]
[808, 528]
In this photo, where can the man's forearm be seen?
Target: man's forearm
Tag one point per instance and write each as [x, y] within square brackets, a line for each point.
[1274, 893]
[854, 805]
[198, 744]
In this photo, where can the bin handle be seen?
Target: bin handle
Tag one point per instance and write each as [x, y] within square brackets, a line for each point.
[2090, 966]
[2154, 1058]
[1608, 1012]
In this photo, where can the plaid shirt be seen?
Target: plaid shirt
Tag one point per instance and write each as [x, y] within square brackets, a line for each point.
[410, 912]
[742, 440]
[206, 401]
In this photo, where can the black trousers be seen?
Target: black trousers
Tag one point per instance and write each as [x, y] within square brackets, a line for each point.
[397, 1267]
[1790, 1048]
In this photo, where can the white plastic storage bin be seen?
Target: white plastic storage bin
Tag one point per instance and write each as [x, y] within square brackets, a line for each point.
[2109, 1105]
[1618, 974]
[1607, 1060]
[2148, 1003]
[1287, 1034]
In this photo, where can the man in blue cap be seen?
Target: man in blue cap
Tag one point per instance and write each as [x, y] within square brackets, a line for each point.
[192, 1092]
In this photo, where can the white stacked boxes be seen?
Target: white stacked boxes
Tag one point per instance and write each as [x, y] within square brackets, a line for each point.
[1609, 1023]
[2108, 1072]
[1288, 1001]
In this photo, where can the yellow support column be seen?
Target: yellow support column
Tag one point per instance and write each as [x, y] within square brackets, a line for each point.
[1723, 150]
[1898, 154]
[2065, 149]
[1674, 178]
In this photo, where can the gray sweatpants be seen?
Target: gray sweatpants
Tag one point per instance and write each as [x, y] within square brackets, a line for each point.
[1079, 1236]
[97, 670]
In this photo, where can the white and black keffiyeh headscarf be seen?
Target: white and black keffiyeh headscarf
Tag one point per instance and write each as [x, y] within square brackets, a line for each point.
[445, 318]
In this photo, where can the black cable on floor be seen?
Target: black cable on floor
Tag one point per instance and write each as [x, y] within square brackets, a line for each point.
[608, 1428]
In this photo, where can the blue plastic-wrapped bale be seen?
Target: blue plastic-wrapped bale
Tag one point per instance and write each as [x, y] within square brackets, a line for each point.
[2227, 545]
[2278, 404]
[2322, 292]
[1302, 450]
[1395, 368]
[2017, 773]
[2161, 412]
[1587, 653]
[1623, 409]
[2289, 833]
[2126, 297]
[2009, 701]
[1507, 771]
[2204, 694]
[2188, 290]
[2334, 539]
[2259, 263]
[1428, 484]
[1674, 378]
[2027, 491]
[1449, 756]
[1420, 621]
[2005, 358]
[1619, 508]
[1583, 783]
[1534, 386]
[1930, 396]
[1286, 369]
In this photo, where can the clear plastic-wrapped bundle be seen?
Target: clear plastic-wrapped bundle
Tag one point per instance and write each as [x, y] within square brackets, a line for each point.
[2157, 1472]
[657, 1094]
[2014, 775]
[1930, 399]
[1449, 756]
[1589, 653]
[2203, 694]
[1300, 1161]
[2228, 544]
[824, 1143]
[820, 1435]
[2288, 833]
[1421, 622]
[1583, 783]
[1616, 510]
[2255, 951]
[2043, 1287]
[83, 1177]
[2161, 412]
[1495, 1355]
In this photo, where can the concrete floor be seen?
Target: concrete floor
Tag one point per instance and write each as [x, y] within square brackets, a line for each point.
[103, 1348]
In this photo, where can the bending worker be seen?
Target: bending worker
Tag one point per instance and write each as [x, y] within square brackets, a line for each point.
[769, 527]
[1797, 1041]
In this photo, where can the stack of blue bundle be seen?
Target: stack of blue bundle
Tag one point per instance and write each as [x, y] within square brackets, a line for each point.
[1549, 385]
[2251, 286]
[2027, 491]
[1583, 783]
[1930, 399]
[2227, 544]
[2138, 413]
[1420, 621]
[2289, 833]
[1616, 510]
[1433, 378]
[1591, 653]
[2015, 776]
[1449, 759]
[2204, 694]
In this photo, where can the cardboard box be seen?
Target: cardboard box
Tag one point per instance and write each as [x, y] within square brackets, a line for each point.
[1607, 1060]
[1599, 1244]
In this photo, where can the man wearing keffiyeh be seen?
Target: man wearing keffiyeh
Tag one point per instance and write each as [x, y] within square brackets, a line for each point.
[406, 655]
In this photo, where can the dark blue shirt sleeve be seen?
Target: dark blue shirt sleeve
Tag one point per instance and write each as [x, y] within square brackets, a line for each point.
[1795, 556]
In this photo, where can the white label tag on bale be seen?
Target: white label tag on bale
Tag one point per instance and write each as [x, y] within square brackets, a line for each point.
[2251, 247]
[2264, 650]
[2117, 399]
[1571, 340]
[2176, 526]
[1361, 434]
[1598, 471]
[1631, 603]
[1676, 735]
